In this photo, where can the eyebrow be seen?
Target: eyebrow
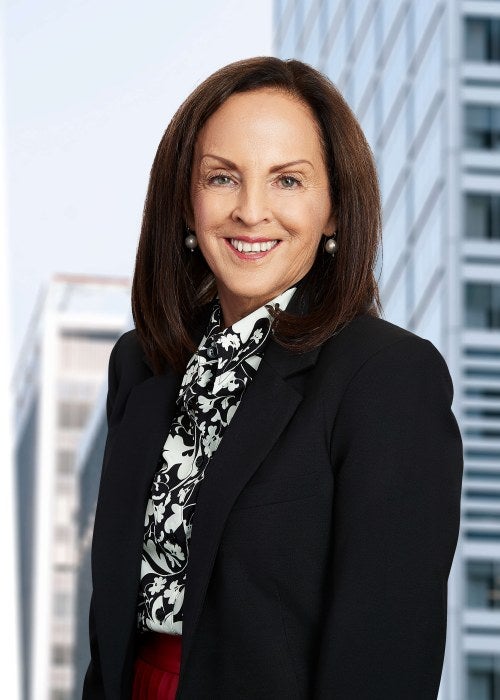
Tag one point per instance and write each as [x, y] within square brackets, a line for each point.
[276, 168]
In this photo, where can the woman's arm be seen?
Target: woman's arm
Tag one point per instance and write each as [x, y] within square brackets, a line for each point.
[93, 688]
[397, 455]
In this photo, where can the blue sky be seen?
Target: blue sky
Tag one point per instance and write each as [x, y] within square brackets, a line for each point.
[90, 87]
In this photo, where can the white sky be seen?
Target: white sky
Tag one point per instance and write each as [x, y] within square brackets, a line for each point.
[9, 647]
[90, 88]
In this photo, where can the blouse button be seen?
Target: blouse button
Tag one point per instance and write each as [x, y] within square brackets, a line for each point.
[211, 352]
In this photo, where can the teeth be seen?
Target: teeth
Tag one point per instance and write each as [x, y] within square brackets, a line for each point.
[245, 247]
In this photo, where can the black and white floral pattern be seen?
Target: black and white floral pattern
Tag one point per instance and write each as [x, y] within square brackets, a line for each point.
[211, 390]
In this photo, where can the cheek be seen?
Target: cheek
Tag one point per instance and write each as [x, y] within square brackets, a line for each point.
[305, 221]
[320, 210]
[310, 212]
[208, 210]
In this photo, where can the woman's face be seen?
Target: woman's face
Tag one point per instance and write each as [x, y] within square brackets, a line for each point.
[260, 197]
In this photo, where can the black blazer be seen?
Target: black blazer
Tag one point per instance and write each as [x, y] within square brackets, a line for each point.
[324, 529]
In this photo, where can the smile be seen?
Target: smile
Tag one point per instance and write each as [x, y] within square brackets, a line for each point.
[256, 247]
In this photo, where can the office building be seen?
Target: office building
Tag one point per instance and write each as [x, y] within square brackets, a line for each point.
[60, 371]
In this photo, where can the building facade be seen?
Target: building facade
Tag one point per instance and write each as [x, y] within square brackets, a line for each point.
[423, 78]
[60, 372]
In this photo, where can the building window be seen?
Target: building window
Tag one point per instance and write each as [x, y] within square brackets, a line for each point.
[483, 584]
[62, 655]
[62, 534]
[65, 462]
[482, 39]
[482, 305]
[483, 671]
[483, 413]
[482, 216]
[482, 127]
[73, 415]
[482, 393]
[62, 605]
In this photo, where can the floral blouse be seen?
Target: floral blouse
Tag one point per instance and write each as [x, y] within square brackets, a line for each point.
[211, 390]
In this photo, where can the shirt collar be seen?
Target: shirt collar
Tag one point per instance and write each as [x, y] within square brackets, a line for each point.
[245, 326]
[224, 354]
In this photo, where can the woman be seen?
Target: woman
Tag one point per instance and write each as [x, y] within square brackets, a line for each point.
[280, 495]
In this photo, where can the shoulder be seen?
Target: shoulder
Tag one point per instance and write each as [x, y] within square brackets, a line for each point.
[372, 354]
[396, 404]
[127, 347]
[395, 346]
[127, 360]
[391, 365]
[127, 367]
[371, 339]
[374, 334]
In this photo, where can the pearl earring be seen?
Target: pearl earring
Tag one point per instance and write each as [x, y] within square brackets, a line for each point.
[331, 245]
[191, 241]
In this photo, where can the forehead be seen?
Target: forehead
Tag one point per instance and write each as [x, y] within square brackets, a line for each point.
[259, 122]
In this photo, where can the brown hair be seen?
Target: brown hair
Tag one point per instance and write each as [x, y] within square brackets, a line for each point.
[171, 284]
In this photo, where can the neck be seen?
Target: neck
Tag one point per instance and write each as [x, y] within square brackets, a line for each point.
[235, 308]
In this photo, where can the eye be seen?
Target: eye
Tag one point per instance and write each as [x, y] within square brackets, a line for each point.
[289, 182]
[220, 179]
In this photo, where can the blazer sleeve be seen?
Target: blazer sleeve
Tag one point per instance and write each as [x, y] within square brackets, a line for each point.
[93, 688]
[397, 457]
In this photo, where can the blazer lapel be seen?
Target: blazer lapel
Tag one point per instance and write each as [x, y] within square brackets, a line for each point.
[128, 471]
[237, 458]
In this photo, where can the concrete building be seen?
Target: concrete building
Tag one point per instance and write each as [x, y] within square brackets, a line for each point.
[423, 77]
[59, 375]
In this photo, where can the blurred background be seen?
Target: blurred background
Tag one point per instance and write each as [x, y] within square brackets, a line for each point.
[87, 89]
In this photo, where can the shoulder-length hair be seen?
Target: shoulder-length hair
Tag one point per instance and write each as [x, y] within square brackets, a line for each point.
[171, 284]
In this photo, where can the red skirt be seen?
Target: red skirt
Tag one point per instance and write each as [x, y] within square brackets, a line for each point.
[157, 666]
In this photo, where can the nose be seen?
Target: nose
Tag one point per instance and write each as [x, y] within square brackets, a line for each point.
[251, 206]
